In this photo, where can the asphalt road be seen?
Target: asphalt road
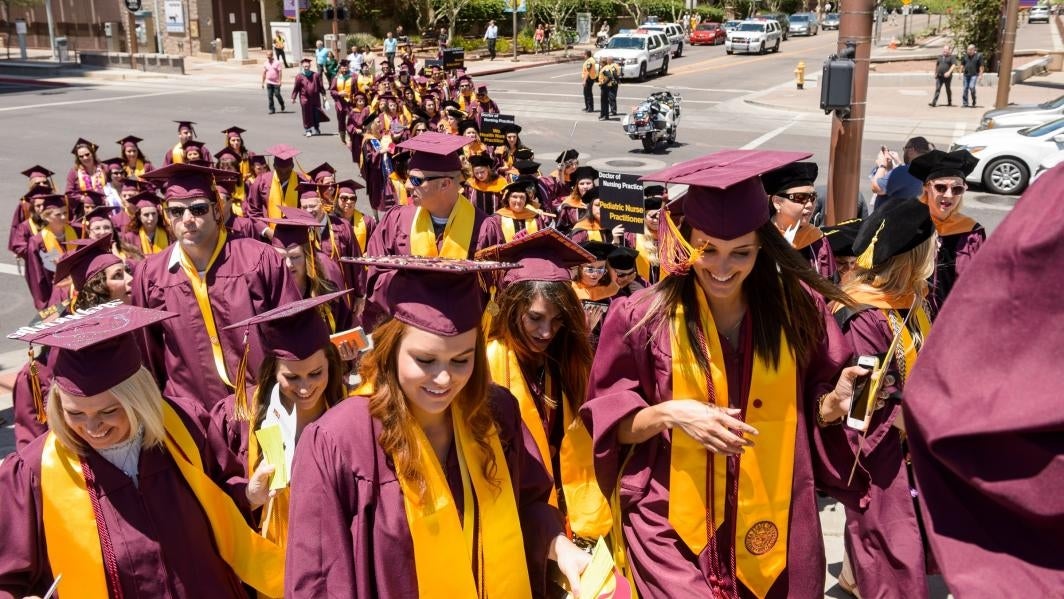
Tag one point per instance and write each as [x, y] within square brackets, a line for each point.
[41, 123]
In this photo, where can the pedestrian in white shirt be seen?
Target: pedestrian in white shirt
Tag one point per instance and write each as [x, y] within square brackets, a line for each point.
[490, 36]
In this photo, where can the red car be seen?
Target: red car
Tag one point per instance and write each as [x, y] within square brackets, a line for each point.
[708, 33]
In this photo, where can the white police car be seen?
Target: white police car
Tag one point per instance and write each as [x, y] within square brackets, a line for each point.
[756, 35]
[638, 52]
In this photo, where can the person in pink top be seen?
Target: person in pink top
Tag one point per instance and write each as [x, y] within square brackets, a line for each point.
[271, 81]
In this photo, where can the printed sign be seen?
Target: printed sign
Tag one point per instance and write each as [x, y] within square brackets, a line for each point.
[175, 16]
[493, 128]
[621, 201]
[453, 58]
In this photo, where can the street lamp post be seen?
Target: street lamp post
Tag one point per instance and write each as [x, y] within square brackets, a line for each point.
[514, 44]
[51, 25]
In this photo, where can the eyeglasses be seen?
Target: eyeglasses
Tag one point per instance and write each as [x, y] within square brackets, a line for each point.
[942, 188]
[801, 197]
[594, 270]
[196, 210]
[570, 163]
[623, 273]
[419, 181]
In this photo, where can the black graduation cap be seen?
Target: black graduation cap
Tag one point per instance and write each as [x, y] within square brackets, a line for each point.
[599, 249]
[894, 229]
[795, 174]
[526, 167]
[622, 258]
[567, 155]
[583, 172]
[524, 154]
[468, 124]
[936, 164]
[841, 237]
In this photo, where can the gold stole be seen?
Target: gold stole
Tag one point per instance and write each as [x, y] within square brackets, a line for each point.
[51, 242]
[177, 154]
[509, 227]
[765, 471]
[400, 189]
[594, 294]
[136, 171]
[806, 235]
[150, 246]
[891, 303]
[343, 87]
[457, 235]
[956, 224]
[72, 533]
[593, 234]
[443, 540]
[643, 262]
[203, 300]
[586, 508]
[358, 226]
[290, 197]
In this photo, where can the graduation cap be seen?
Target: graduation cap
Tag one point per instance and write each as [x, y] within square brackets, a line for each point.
[599, 249]
[99, 213]
[511, 128]
[567, 155]
[436, 152]
[401, 156]
[481, 160]
[227, 152]
[482, 90]
[622, 258]
[183, 181]
[524, 154]
[39, 190]
[83, 142]
[437, 295]
[37, 171]
[896, 228]
[88, 259]
[296, 227]
[234, 131]
[133, 184]
[937, 164]
[725, 198]
[186, 125]
[113, 164]
[456, 113]
[545, 255]
[467, 124]
[94, 197]
[95, 348]
[449, 104]
[841, 237]
[526, 167]
[52, 200]
[795, 174]
[349, 186]
[146, 199]
[590, 195]
[282, 152]
[131, 140]
[525, 185]
[310, 189]
[257, 159]
[321, 171]
[294, 331]
[583, 172]
[464, 78]
[653, 196]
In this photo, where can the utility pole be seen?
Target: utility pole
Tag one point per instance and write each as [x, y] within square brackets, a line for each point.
[1007, 46]
[847, 131]
[336, 30]
[299, 28]
[51, 25]
[131, 35]
[266, 39]
[514, 44]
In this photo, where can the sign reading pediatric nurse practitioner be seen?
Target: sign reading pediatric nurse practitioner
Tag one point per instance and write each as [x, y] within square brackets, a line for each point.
[621, 202]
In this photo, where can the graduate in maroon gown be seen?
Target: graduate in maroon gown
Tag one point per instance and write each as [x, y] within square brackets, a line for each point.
[134, 163]
[884, 539]
[715, 400]
[309, 88]
[37, 176]
[147, 231]
[210, 281]
[21, 233]
[44, 249]
[982, 411]
[427, 428]
[959, 235]
[646, 243]
[123, 497]
[333, 236]
[88, 171]
[571, 208]
[515, 213]
[275, 188]
[557, 182]
[186, 132]
[791, 196]
[362, 225]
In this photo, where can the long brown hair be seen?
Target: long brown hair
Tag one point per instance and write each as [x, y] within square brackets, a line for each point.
[389, 405]
[335, 390]
[569, 353]
[94, 292]
[775, 291]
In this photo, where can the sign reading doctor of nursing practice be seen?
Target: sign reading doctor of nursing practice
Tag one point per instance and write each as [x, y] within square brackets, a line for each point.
[493, 128]
[175, 16]
[621, 201]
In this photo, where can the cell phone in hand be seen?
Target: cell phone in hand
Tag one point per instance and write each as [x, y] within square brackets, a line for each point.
[861, 403]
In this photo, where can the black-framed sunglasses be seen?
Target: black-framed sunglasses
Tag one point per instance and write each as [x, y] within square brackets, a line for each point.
[419, 181]
[800, 197]
[176, 212]
[942, 188]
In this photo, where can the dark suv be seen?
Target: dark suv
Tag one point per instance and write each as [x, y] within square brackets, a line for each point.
[780, 18]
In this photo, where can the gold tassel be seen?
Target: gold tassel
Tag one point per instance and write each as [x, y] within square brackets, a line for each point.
[240, 406]
[675, 254]
[866, 259]
[35, 389]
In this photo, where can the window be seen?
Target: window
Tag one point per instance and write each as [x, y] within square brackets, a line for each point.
[627, 43]
[759, 27]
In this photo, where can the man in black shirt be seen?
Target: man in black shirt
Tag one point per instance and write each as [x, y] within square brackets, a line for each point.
[943, 76]
[972, 63]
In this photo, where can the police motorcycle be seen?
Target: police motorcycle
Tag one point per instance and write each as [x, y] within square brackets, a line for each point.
[654, 120]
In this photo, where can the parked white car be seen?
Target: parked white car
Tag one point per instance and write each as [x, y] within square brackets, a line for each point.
[1038, 13]
[1047, 163]
[1022, 115]
[1009, 157]
[638, 53]
[758, 36]
[672, 31]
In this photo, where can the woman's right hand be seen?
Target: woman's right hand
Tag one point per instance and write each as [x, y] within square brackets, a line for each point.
[717, 429]
[258, 490]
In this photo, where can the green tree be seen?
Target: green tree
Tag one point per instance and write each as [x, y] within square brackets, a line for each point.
[10, 4]
[977, 22]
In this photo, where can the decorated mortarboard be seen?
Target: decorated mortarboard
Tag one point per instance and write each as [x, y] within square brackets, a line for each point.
[435, 152]
[132, 140]
[282, 152]
[466, 124]
[87, 259]
[795, 174]
[294, 331]
[599, 249]
[567, 155]
[321, 171]
[348, 186]
[897, 227]
[100, 213]
[184, 181]
[725, 198]
[622, 258]
[96, 351]
[190, 125]
[583, 172]
[545, 255]
[526, 167]
[146, 199]
[37, 171]
[937, 164]
[437, 295]
[841, 237]
[481, 160]
[83, 142]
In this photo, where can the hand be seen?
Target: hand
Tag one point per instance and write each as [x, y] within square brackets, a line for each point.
[717, 429]
[347, 351]
[618, 233]
[594, 316]
[571, 561]
[837, 404]
[258, 490]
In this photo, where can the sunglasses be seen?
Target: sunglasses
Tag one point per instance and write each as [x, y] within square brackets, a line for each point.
[942, 188]
[801, 197]
[419, 181]
[176, 212]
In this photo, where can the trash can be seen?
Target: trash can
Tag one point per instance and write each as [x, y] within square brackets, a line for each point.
[62, 49]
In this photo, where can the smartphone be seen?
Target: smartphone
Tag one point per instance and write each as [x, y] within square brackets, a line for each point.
[861, 401]
[356, 336]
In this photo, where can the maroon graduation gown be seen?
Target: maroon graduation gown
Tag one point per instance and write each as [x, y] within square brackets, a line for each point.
[983, 411]
[37, 276]
[27, 427]
[629, 375]
[883, 538]
[372, 170]
[248, 278]
[259, 194]
[168, 158]
[392, 236]
[955, 253]
[160, 535]
[821, 258]
[19, 239]
[310, 90]
[349, 534]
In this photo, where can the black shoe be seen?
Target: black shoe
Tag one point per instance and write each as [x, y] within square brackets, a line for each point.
[931, 104]
[949, 103]
[273, 111]
[604, 118]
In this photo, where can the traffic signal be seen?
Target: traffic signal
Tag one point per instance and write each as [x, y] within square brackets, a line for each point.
[329, 14]
[341, 14]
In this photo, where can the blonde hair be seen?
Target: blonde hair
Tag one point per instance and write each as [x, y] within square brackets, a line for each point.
[901, 275]
[140, 398]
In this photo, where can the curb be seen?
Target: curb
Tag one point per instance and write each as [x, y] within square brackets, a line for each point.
[532, 65]
[32, 81]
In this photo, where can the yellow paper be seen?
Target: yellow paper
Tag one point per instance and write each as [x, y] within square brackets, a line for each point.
[598, 573]
[273, 451]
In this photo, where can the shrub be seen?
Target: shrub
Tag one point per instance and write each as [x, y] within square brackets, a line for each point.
[362, 39]
[710, 14]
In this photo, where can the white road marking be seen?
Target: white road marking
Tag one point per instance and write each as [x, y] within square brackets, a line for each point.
[628, 98]
[771, 134]
[171, 92]
[9, 269]
[623, 84]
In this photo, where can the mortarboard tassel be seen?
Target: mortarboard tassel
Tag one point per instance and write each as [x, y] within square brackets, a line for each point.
[240, 406]
[35, 389]
[675, 254]
[867, 259]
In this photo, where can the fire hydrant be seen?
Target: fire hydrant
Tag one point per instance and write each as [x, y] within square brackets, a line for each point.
[799, 75]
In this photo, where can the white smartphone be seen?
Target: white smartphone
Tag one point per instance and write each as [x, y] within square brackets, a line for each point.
[861, 402]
